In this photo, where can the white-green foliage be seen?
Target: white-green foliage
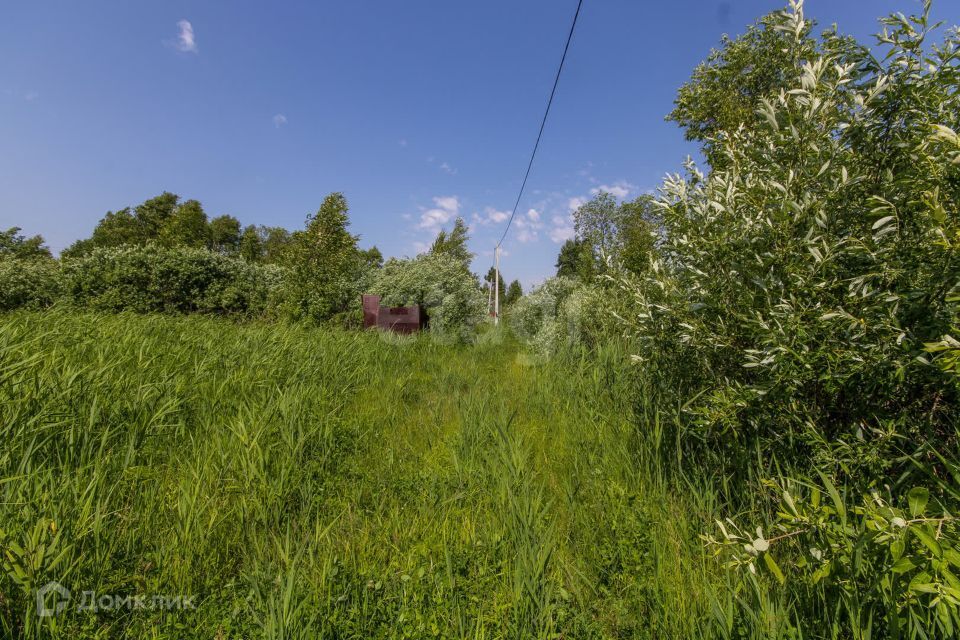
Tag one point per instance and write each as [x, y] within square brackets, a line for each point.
[798, 287]
[157, 279]
[561, 313]
[30, 284]
[798, 284]
[439, 283]
[863, 553]
[533, 317]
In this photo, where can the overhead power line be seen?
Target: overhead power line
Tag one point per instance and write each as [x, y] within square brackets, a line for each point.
[543, 123]
[533, 155]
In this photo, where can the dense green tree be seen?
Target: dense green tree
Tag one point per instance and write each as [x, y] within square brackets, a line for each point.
[251, 244]
[324, 264]
[29, 282]
[454, 243]
[726, 89]
[225, 234]
[514, 292]
[154, 213]
[575, 260]
[164, 219]
[78, 248]
[270, 245]
[187, 226]
[637, 233]
[118, 228]
[597, 224]
[276, 242]
[608, 233]
[542, 318]
[439, 243]
[129, 227]
[567, 259]
[372, 257]
[15, 245]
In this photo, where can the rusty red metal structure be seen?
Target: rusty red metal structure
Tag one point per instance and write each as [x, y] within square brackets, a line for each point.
[397, 319]
[371, 308]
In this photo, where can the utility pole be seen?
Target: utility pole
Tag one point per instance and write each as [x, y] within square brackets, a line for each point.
[489, 298]
[496, 286]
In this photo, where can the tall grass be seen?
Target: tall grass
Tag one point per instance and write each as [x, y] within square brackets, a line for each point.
[307, 483]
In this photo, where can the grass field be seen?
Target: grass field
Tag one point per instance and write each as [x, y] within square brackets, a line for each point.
[299, 483]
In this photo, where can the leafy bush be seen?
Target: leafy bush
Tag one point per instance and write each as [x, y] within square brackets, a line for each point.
[801, 308]
[441, 284]
[326, 268]
[28, 283]
[17, 246]
[181, 280]
[889, 563]
[561, 313]
[798, 284]
[534, 318]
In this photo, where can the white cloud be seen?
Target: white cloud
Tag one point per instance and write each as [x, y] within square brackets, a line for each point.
[446, 167]
[525, 236]
[525, 229]
[575, 203]
[279, 120]
[490, 216]
[562, 228]
[446, 207]
[186, 42]
[618, 189]
[528, 227]
[496, 217]
[450, 203]
[434, 218]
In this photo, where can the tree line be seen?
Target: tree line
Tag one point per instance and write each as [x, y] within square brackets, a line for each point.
[167, 255]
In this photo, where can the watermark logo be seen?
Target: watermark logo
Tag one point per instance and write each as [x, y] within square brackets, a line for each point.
[53, 599]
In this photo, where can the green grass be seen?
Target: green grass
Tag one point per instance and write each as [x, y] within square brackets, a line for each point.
[303, 483]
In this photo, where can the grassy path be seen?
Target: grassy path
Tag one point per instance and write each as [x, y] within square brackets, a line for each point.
[306, 483]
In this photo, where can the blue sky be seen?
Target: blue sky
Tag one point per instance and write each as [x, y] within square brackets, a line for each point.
[417, 110]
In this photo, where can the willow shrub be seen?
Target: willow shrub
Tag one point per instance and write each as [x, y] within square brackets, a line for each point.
[799, 290]
[28, 283]
[796, 287]
[442, 285]
[173, 280]
[536, 317]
